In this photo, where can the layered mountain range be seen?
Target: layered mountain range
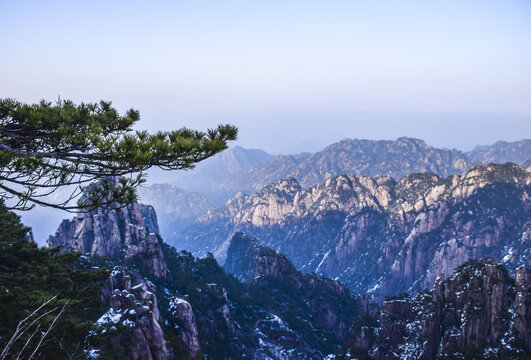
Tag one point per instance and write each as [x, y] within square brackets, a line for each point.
[248, 171]
[220, 178]
[418, 215]
[379, 235]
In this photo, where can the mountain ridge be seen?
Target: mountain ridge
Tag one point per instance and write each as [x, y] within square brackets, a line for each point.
[395, 158]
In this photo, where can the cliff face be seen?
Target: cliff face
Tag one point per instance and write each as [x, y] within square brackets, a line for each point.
[378, 235]
[128, 234]
[477, 312]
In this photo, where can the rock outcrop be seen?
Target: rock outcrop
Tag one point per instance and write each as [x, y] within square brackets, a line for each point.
[522, 303]
[378, 235]
[130, 328]
[242, 257]
[128, 234]
[182, 319]
[477, 312]
[147, 255]
[104, 233]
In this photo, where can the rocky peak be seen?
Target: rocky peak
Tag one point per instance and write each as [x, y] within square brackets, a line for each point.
[128, 234]
[101, 232]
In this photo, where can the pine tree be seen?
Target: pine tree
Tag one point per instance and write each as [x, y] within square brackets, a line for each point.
[44, 147]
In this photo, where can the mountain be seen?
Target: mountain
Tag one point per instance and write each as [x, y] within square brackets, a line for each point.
[243, 255]
[376, 234]
[164, 304]
[500, 152]
[479, 312]
[232, 172]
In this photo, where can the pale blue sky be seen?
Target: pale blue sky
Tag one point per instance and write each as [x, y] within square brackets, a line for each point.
[455, 73]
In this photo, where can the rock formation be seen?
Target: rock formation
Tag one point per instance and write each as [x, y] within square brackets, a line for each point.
[182, 319]
[243, 255]
[128, 234]
[130, 328]
[476, 313]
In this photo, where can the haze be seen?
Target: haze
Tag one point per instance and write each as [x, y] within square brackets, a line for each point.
[293, 76]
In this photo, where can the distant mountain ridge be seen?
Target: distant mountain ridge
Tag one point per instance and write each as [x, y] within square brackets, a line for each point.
[249, 171]
[206, 177]
[517, 152]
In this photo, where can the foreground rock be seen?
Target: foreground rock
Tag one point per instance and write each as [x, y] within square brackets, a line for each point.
[130, 328]
[479, 312]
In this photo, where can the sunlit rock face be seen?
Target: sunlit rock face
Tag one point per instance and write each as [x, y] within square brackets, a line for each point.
[379, 235]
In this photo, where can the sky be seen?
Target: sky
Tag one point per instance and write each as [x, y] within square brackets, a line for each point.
[292, 75]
